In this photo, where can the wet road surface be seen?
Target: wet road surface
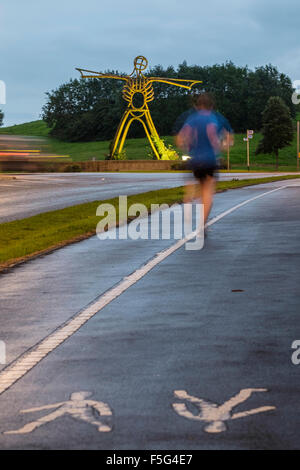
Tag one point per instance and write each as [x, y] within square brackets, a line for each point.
[201, 330]
[30, 194]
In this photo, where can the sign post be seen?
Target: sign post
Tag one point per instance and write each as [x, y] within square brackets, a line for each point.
[249, 136]
[228, 151]
[298, 155]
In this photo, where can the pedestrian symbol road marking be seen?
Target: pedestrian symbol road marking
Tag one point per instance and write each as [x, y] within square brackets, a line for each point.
[77, 407]
[216, 415]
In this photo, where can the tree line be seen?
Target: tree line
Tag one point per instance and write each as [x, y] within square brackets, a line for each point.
[90, 109]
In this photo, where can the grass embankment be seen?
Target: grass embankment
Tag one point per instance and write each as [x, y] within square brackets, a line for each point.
[33, 128]
[23, 239]
[139, 148]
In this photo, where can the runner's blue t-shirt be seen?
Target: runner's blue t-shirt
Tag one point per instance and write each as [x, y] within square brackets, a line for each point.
[223, 123]
[201, 149]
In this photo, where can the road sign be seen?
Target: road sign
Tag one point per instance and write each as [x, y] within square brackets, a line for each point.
[250, 132]
[245, 139]
[250, 136]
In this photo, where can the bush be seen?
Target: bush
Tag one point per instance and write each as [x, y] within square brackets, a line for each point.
[121, 155]
[166, 153]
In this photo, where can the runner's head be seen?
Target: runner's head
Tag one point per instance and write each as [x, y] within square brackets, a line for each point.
[204, 101]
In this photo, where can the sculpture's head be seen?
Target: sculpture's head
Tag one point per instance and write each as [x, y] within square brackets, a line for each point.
[140, 64]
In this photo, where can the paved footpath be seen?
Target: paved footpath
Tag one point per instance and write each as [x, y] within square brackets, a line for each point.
[193, 354]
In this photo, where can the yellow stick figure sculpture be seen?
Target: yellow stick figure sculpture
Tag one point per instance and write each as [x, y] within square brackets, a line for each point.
[138, 92]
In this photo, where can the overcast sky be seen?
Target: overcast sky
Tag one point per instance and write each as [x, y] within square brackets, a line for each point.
[41, 42]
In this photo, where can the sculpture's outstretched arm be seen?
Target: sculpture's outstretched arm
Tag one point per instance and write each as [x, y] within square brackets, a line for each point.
[93, 74]
[183, 83]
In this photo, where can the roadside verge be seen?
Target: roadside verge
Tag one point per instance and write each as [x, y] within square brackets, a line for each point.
[25, 239]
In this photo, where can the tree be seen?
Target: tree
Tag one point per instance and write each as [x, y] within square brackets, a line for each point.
[83, 110]
[263, 83]
[1, 118]
[277, 127]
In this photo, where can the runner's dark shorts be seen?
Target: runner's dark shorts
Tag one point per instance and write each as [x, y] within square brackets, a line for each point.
[202, 172]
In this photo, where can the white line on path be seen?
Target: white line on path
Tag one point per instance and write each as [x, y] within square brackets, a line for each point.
[31, 358]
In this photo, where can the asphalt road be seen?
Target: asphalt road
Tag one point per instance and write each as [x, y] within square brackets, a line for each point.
[31, 194]
[215, 325]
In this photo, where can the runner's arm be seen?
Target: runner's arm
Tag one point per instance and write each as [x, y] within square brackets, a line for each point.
[184, 138]
[211, 131]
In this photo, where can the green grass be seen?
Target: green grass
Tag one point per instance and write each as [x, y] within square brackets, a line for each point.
[139, 148]
[22, 239]
[33, 128]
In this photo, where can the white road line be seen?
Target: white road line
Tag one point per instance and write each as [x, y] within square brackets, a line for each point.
[31, 358]
[218, 217]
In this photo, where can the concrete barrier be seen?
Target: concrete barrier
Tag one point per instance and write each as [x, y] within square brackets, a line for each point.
[89, 166]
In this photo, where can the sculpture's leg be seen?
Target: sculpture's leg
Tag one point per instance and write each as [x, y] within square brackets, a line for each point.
[150, 123]
[124, 133]
[151, 130]
[123, 128]
[149, 133]
[147, 130]
[119, 132]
